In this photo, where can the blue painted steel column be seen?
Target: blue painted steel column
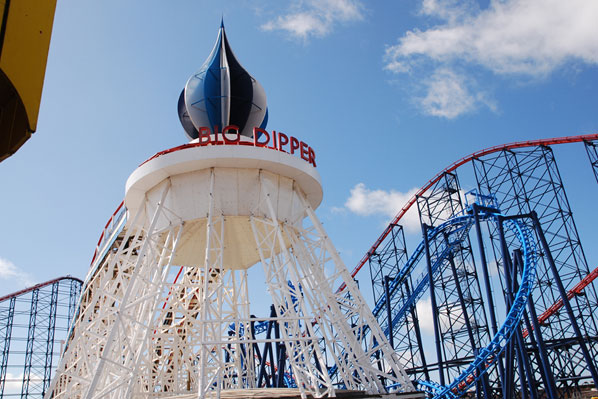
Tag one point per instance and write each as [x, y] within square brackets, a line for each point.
[267, 352]
[523, 357]
[546, 371]
[50, 339]
[425, 229]
[280, 357]
[487, 286]
[388, 313]
[517, 343]
[508, 377]
[418, 334]
[7, 340]
[29, 347]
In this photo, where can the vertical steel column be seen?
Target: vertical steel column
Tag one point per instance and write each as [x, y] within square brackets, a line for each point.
[546, 370]
[517, 344]
[489, 295]
[418, 335]
[508, 377]
[388, 313]
[524, 356]
[7, 327]
[425, 228]
[74, 293]
[30, 342]
[280, 358]
[50, 338]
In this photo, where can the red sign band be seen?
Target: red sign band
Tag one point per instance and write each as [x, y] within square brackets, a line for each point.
[261, 138]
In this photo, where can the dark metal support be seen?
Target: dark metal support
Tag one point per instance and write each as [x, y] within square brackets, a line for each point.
[580, 339]
[7, 339]
[425, 229]
[388, 312]
[591, 149]
[550, 385]
[488, 287]
[50, 338]
[466, 317]
[262, 375]
[29, 348]
[508, 383]
[280, 357]
[418, 335]
[530, 381]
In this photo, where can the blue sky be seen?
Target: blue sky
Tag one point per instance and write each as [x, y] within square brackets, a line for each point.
[387, 93]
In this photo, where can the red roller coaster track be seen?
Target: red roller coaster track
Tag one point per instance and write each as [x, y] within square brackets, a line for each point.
[37, 286]
[555, 307]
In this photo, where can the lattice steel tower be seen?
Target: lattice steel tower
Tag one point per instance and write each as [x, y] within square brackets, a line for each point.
[165, 311]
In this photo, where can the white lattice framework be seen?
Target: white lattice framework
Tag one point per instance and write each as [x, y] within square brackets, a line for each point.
[166, 313]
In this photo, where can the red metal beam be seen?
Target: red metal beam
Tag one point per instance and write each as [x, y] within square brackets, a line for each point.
[95, 253]
[554, 308]
[37, 286]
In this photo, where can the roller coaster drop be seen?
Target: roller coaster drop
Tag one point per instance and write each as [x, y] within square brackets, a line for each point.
[519, 216]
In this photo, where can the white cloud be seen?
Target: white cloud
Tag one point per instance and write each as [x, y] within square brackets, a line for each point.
[424, 315]
[448, 95]
[316, 17]
[449, 10]
[14, 383]
[513, 36]
[521, 38]
[365, 202]
[8, 271]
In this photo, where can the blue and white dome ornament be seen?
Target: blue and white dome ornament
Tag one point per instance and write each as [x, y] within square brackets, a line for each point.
[222, 93]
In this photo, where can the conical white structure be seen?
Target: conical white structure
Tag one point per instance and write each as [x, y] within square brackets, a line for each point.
[166, 311]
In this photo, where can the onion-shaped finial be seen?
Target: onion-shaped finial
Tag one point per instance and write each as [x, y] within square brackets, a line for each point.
[222, 93]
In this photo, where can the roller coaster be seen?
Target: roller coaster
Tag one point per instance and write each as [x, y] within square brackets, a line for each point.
[500, 269]
[33, 328]
[470, 293]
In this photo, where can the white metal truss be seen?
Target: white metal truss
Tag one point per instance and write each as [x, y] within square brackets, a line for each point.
[148, 327]
[340, 319]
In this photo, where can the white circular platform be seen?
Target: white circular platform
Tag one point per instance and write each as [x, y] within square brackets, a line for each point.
[195, 158]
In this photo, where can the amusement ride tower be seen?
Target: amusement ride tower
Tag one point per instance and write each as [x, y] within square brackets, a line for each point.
[165, 309]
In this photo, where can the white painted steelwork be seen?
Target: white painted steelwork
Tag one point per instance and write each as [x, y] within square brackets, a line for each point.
[167, 312]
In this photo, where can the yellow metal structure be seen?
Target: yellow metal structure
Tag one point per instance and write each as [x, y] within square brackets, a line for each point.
[25, 31]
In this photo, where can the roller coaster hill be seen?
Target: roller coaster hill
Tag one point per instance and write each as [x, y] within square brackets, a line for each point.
[500, 266]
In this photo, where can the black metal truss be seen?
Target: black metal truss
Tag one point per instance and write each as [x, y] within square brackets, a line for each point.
[525, 180]
[592, 150]
[470, 290]
[459, 307]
